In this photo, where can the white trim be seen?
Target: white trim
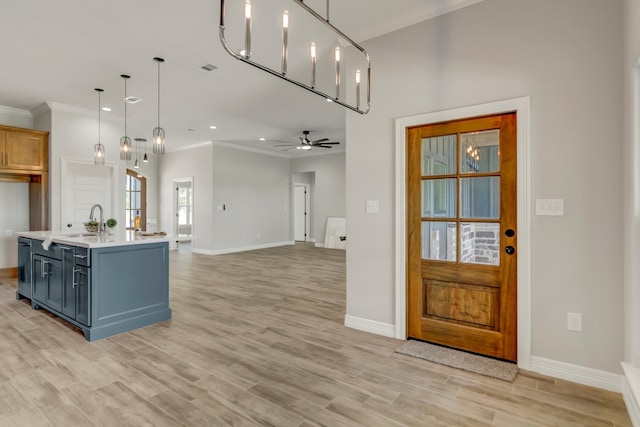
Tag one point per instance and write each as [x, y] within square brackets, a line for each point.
[319, 245]
[521, 107]
[577, 374]
[372, 326]
[241, 249]
[175, 208]
[16, 112]
[631, 392]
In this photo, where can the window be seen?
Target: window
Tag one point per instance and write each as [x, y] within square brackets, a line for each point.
[135, 200]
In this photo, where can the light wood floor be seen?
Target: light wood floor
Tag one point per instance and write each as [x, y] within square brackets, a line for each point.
[258, 339]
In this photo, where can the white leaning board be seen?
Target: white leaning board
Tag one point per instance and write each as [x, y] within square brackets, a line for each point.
[336, 233]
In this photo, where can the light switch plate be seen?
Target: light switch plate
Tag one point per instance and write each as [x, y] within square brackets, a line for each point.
[372, 207]
[550, 207]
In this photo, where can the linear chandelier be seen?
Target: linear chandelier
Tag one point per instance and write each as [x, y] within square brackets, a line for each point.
[245, 54]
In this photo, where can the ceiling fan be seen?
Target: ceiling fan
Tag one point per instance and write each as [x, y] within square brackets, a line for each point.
[307, 144]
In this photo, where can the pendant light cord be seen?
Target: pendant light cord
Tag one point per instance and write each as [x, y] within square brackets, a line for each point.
[99, 109]
[125, 107]
[158, 93]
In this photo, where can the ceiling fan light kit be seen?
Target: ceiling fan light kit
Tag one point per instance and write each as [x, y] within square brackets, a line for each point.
[245, 55]
[306, 144]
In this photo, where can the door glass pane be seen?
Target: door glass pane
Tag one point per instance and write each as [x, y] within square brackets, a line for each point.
[480, 151]
[439, 198]
[439, 240]
[480, 243]
[480, 197]
[439, 155]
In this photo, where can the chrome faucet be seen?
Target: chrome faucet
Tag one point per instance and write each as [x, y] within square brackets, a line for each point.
[92, 218]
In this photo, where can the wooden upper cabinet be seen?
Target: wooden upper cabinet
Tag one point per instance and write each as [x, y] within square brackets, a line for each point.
[23, 149]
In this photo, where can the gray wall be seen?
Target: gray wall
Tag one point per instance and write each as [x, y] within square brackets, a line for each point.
[255, 190]
[566, 55]
[192, 163]
[328, 196]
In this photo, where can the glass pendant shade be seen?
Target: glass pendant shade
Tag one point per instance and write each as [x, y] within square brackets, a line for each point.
[158, 140]
[125, 148]
[98, 154]
[145, 158]
[98, 149]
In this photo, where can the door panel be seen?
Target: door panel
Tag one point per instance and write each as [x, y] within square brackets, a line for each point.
[461, 200]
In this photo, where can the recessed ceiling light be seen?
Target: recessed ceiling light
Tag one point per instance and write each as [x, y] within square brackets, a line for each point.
[132, 99]
[262, 139]
[213, 127]
[106, 109]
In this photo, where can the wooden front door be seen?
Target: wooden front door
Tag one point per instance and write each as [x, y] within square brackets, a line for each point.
[462, 234]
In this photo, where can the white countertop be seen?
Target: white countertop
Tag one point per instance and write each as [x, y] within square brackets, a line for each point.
[89, 240]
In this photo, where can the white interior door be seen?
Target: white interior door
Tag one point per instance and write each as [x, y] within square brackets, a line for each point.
[300, 213]
[84, 185]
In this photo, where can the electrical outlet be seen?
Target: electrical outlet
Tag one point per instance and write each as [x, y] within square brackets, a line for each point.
[372, 207]
[574, 322]
[8, 233]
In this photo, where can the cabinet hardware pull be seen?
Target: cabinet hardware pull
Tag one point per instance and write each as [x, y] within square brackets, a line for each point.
[73, 279]
[44, 272]
[80, 256]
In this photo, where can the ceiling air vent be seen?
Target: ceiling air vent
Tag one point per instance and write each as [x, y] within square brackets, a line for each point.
[208, 67]
[132, 99]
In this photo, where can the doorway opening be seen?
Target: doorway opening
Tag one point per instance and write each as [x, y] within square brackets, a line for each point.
[135, 201]
[301, 214]
[183, 202]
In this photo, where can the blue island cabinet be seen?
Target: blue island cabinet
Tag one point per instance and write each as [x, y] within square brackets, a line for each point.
[104, 290]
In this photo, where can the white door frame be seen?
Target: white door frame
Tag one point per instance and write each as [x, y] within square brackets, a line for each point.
[521, 107]
[307, 207]
[174, 208]
[115, 185]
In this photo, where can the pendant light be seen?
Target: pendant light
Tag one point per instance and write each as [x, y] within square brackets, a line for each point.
[98, 149]
[158, 132]
[145, 159]
[125, 141]
[136, 164]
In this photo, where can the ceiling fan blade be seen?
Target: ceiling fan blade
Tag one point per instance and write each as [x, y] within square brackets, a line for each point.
[327, 143]
[322, 146]
[319, 140]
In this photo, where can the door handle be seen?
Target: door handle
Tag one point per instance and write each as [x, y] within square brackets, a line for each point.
[510, 250]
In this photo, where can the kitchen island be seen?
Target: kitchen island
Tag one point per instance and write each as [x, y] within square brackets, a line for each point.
[103, 284]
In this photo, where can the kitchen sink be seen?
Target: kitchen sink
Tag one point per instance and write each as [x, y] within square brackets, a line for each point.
[80, 235]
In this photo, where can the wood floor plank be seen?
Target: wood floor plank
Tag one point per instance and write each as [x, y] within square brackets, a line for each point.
[258, 338]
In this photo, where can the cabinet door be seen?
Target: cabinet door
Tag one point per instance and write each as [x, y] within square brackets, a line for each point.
[83, 294]
[54, 284]
[40, 278]
[68, 283]
[25, 151]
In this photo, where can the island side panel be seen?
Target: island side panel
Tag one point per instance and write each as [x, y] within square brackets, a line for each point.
[130, 288]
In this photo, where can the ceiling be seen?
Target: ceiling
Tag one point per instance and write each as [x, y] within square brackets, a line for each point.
[59, 51]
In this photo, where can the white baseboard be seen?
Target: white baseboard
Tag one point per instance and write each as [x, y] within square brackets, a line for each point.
[577, 374]
[372, 326]
[319, 245]
[241, 249]
[631, 392]
[311, 240]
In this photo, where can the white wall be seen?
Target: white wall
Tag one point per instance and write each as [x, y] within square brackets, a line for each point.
[328, 192]
[196, 163]
[566, 55]
[16, 218]
[74, 132]
[631, 180]
[255, 190]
